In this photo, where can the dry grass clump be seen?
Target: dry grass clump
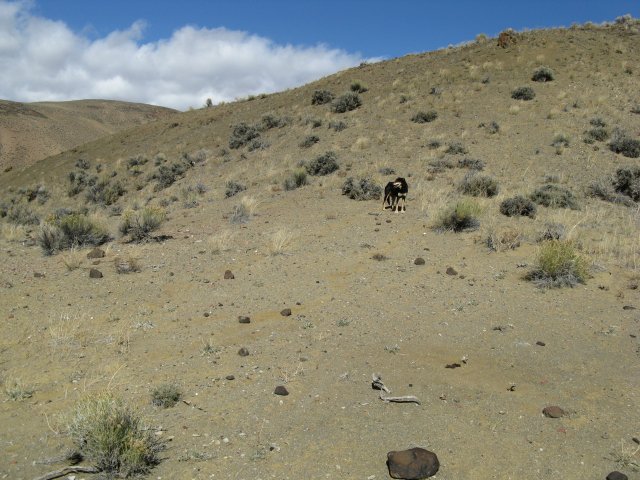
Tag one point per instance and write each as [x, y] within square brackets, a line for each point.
[15, 390]
[543, 74]
[281, 241]
[555, 196]
[70, 230]
[73, 258]
[523, 93]
[478, 185]
[243, 211]
[139, 224]
[296, 180]
[518, 206]
[499, 241]
[166, 395]
[558, 264]
[221, 241]
[320, 97]
[127, 264]
[462, 216]
[346, 103]
[425, 117]
[111, 436]
[233, 188]
[323, 165]
[361, 189]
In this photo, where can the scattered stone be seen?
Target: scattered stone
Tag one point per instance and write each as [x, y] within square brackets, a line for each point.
[96, 253]
[95, 273]
[206, 314]
[540, 344]
[615, 475]
[244, 319]
[286, 312]
[419, 261]
[452, 365]
[228, 275]
[38, 275]
[451, 271]
[553, 412]
[230, 377]
[629, 307]
[243, 352]
[281, 390]
[413, 464]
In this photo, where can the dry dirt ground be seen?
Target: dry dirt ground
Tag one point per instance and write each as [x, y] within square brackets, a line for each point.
[359, 303]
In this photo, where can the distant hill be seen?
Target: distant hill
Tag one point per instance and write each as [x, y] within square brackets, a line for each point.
[32, 131]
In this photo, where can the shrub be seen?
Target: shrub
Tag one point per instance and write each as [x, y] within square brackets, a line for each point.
[361, 189]
[337, 126]
[558, 264]
[627, 182]
[346, 103]
[79, 230]
[166, 176]
[457, 148]
[296, 180]
[50, 239]
[166, 395]
[471, 164]
[308, 141]
[492, 127]
[320, 97]
[552, 231]
[598, 122]
[433, 144]
[139, 224]
[478, 185]
[78, 181]
[543, 74]
[554, 196]
[459, 217]
[323, 165]
[233, 188]
[439, 166]
[596, 134]
[21, 214]
[111, 435]
[136, 161]
[629, 147]
[105, 193]
[240, 214]
[258, 144]
[82, 164]
[242, 134]
[357, 87]
[270, 121]
[523, 93]
[386, 171]
[425, 117]
[518, 206]
[560, 140]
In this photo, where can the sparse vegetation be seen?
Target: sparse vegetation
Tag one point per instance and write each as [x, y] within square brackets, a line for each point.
[627, 182]
[68, 231]
[320, 97]
[308, 141]
[233, 188]
[461, 216]
[361, 189]
[543, 74]
[457, 148]
[139, 225]
[627, 146]
[357, 87]
[518, 206]
[242, 134]
[166, 395]
[425, 117]
[111, 436]
[15, 390]
[558, 264]
[337, 126]
[296, 180]
[478, 185]
[346, 103]
[555, 196]
[596, 134]
[523, 93]
[21, 214]
[323, 165]
[560, 140]
[471, 164]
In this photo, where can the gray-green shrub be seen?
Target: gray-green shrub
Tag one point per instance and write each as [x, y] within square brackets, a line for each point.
[478, 185]
[361, 189]
[346, 103]
[323, 165]
[518, 206]
[523, 93]
[555, 196]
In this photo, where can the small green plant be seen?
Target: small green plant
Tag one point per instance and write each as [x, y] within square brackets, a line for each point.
[323, 165]
[296, 180]
[308, 141]
[555, 196]
[543, 74]
[233, 188]
[346, 103]
[627, 182]
[478, 185]
[518, 206]
[361, 189]
[523, 93]
[111, 436]
[425, 117]
[357, 87]
[558, 264]
[320, 97]
[461, 216]
[166, 395]
[139, 224]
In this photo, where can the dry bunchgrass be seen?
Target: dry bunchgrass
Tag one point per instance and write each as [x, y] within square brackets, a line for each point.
[72, 259]
[12, 233]
[281, 241]
[65, 333]
[221, 241]
[15, 389]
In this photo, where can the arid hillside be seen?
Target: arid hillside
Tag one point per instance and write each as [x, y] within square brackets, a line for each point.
[33, 131]
[230, 275]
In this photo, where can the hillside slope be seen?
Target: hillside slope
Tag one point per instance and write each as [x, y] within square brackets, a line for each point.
[336, 289]
[32, 131]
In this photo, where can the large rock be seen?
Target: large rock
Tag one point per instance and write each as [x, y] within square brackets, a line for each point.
[413, 464]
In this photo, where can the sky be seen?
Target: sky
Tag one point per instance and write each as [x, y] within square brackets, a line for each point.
[179, 53]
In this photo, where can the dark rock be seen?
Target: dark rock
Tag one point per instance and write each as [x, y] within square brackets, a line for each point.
[413, 464]
[451, 271]
[38, 275]
[553, 412]
[281, 390]
[96, 253]
[206, 314]
[419, 261]
[94, 273]
[243, 352]
[541, 344]
[628, 307]
[286, 312]
[230, 377]
[228, 275]
[615, 475]
[452, 365]
[243, 319]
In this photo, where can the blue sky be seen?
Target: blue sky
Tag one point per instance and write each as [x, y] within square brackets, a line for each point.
[178, 53]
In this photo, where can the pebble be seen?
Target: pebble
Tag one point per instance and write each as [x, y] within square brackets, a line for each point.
[95, 273]
[243, 352]
[451, 271]
[281, 390]
[230, 377]
[615, 475]
[38, 275]
[413, 464]
[286, 312]
[228, 275]
[541, 344]
[553, 412]
[419, 261]
[244, 319]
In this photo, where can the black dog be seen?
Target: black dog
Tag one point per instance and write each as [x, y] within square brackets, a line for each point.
[394, 193]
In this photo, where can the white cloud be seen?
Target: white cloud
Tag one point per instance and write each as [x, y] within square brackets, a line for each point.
[41, 59]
